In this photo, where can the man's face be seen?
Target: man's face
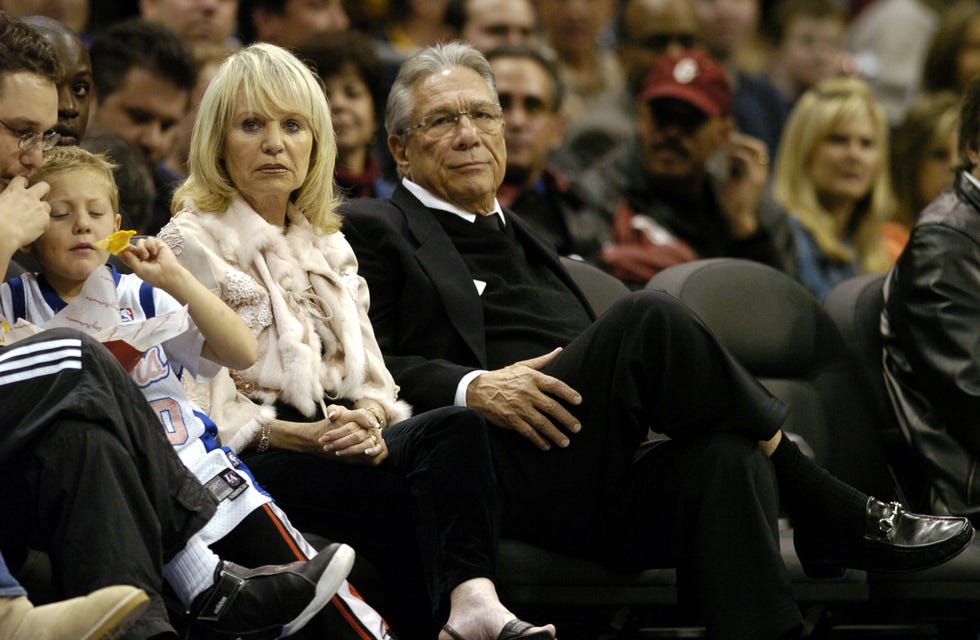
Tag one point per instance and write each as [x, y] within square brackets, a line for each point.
[491, 23]
[145, 111]
[74, 86]
[573, 25]
[300, 20]
[28, 103]
[726, 23]
[465, 165]
[195, 21]
[73, 13]
[677, 138]
[534, 128]
[812, 49]
[654, 28]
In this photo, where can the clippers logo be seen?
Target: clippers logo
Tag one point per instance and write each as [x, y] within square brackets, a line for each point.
[152, 367]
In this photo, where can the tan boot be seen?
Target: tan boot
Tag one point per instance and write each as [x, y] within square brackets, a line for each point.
[100, 615]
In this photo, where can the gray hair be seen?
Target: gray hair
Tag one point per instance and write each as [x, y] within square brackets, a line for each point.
[423, 64]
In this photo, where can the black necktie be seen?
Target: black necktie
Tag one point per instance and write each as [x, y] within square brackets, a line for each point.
[489, 222]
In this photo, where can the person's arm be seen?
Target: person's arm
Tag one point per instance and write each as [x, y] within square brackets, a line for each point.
[748, 174]
[934, 309]
[228, 340]
[24, 216]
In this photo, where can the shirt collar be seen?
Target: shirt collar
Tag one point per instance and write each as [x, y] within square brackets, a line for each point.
[969, 176]
[433, 202]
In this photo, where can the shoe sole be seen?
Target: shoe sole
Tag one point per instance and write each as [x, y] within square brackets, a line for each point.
[326, 587]
[120, 618]
[963, 540]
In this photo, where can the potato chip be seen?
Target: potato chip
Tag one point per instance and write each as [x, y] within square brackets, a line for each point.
[114, 243]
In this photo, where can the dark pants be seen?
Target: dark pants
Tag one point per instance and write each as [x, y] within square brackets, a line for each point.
[88, 475]
[705, 502]
[430, 510]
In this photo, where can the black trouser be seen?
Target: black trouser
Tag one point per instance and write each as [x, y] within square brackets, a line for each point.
[431, 510]
[88, 474]
[705, 502]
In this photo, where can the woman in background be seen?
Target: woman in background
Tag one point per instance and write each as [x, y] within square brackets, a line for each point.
[353, 77]
[832, 177]
[923, 159]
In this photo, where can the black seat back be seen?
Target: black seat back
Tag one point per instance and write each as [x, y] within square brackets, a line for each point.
[855, 307]
[778, 330]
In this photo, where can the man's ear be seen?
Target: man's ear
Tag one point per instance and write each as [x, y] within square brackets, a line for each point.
[399, 151]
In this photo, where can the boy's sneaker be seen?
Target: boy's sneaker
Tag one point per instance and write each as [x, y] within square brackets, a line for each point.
[274, 601]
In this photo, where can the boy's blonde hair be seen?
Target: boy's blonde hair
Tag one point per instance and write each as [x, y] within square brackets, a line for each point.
[65, 159]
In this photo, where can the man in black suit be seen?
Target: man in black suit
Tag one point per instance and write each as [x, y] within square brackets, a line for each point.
[470, 307]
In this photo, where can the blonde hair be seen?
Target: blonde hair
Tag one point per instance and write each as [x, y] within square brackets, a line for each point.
[64, 159]
[269, 78]
[817, 113]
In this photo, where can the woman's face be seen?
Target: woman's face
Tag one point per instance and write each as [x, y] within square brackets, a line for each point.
[351, 109]
[267, 156]
[968, 57]
[936, 171]
[845, 164]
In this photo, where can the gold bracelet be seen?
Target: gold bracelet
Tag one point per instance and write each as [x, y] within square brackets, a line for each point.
[264, 439]
[379, 415]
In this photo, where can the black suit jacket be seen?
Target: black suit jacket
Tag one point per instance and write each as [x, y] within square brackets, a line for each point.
[426, 311]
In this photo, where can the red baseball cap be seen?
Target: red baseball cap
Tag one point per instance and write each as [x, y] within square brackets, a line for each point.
[692, 76]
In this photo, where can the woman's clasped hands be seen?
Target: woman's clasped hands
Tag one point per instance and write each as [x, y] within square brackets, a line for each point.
[353, 435]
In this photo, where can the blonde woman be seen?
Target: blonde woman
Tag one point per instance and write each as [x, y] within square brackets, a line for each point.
[832, 176]
[317, 417]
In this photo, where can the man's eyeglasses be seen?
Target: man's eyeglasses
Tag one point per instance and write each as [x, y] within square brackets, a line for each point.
[440, 124]
[27, 139]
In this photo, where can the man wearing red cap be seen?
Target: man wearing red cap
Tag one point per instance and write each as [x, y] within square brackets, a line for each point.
[690, 186]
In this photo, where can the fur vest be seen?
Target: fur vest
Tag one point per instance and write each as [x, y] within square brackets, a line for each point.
[299, 292]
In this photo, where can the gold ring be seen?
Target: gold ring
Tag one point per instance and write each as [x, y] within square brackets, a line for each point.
[374, 439]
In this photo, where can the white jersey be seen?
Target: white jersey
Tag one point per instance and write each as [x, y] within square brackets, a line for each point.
[157, 374]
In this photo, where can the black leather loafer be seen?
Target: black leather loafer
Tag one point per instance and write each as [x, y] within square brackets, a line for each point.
[894, 541]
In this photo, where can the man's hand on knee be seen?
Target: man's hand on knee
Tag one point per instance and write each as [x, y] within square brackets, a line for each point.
[522, 398]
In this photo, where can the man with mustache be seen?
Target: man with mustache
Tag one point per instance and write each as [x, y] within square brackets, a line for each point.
[690, 186]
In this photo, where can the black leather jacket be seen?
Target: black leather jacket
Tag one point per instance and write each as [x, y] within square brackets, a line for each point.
[931, 331]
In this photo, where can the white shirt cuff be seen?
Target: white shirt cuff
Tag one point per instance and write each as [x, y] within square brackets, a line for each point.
[464, 383]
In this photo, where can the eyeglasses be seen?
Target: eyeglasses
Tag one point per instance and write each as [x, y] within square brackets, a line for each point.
[27, 139]
[486, 118]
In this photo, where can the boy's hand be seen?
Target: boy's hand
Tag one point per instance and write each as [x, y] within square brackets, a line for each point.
[152, 260]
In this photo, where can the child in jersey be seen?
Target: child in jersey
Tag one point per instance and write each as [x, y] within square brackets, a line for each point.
[248, 527]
